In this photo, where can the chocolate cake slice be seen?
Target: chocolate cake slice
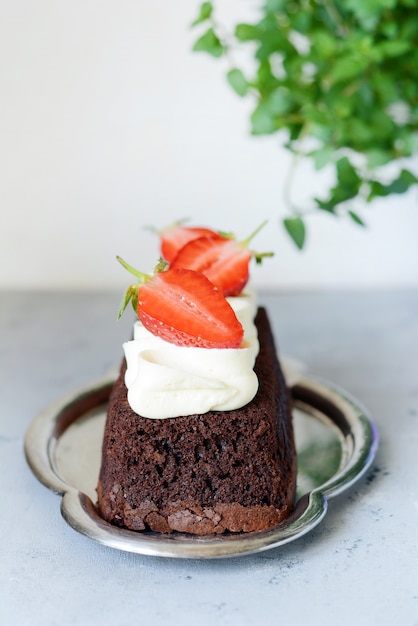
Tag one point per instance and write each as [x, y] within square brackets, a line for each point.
[222, 471]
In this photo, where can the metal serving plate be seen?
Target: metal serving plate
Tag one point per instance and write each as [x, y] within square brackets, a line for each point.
[336, 442]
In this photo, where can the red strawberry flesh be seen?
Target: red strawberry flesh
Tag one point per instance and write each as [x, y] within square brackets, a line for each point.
[173, 239]
[223, 261]
[184, 308]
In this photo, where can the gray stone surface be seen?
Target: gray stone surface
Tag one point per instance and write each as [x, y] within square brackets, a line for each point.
[358, 566]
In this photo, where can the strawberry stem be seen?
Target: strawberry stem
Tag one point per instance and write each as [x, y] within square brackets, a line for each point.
[226, 234]
[142, 278]
[257, 230]
[161, 266]
[131, 295]
[258, 256]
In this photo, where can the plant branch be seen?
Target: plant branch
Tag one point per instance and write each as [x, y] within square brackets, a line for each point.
[288, 185]
[335, 17]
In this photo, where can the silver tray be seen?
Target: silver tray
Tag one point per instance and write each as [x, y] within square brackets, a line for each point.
[336, 442]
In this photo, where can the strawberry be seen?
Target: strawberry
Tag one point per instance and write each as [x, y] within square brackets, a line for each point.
[223, 261]
[183, 307]
[176, 236]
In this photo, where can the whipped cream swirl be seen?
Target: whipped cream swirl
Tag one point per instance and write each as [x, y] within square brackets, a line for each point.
[165, 380]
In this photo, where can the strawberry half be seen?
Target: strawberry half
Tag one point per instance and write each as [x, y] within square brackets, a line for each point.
[183, 307]
[225, 262]
[174, 238]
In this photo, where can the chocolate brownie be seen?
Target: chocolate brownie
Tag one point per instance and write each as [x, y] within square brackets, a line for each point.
[222, 471]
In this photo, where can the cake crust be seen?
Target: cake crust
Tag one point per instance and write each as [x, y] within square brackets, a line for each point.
[223, 471]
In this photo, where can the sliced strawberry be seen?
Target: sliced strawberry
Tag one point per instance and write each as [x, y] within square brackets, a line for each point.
[183, 307]
[174, 238]
[225, 262]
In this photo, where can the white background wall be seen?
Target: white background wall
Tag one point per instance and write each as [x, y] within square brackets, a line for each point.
[108, 123]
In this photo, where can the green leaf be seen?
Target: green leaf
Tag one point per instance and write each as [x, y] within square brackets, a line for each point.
[323, 132]
[263, 120]
[353, 133]
[377, 189]
[410, 143]
[393, 48]
[368, 11]
[327, 205]
[273, 39]
[209, 42]
[347, 187]
[280, 101]
[247, 32]
[323, 156]
[401, 184]
[356, 218]
[274, 6]
[377, 158]
[366, 95]
[296, 229]
[266, 82]
[324, 43]
[268, 116]
[347, 68]
[390, 29]
[385, 84]
[238, 81]
[204, 14]
[302, 21]
[316, 115]
[347, 174]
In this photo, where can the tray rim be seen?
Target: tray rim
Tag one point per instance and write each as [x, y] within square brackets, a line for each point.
[79, 512]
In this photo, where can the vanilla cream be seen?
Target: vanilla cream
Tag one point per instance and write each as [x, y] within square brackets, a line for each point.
[165, 380]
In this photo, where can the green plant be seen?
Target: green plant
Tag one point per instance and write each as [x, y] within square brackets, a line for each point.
[339, 80]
